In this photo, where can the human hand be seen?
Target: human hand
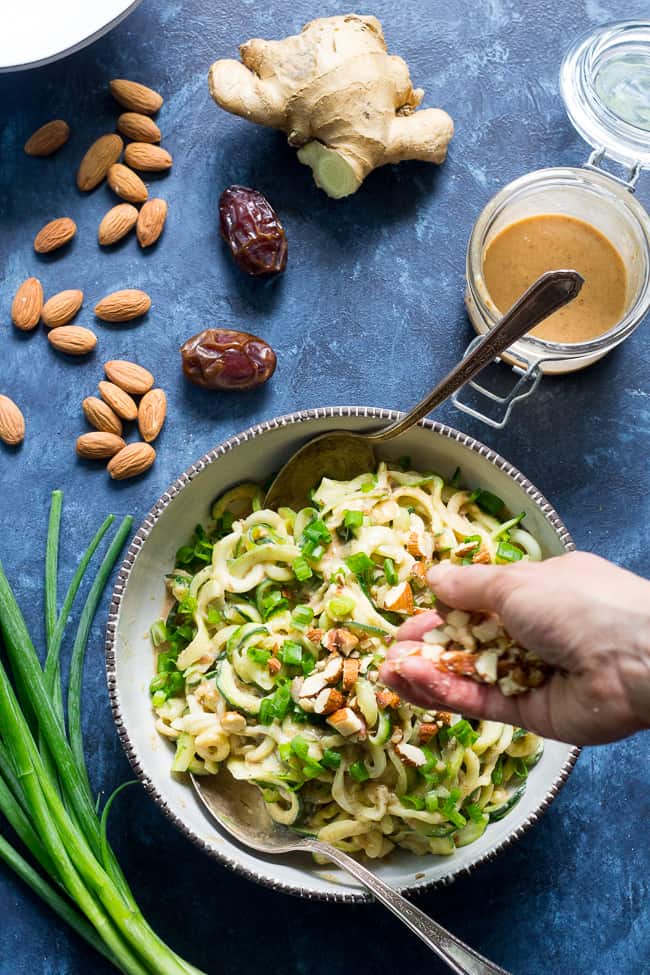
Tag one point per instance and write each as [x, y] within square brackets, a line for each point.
[581, 614]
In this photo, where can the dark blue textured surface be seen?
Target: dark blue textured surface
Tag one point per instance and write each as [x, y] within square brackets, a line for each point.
[369, 311]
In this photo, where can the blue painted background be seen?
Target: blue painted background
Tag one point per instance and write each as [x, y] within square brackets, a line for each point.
[370, 311]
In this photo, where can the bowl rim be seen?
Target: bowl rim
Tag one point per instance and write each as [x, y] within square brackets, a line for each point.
[140, 537]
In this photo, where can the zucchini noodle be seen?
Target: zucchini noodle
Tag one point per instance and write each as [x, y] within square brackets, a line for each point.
[268, 661]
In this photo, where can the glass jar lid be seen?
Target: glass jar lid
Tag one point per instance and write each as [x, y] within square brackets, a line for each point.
[605, 84]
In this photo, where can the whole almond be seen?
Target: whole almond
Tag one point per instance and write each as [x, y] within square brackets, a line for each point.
[48, 138]
[119, 401]
[98, 160]
[12, 422]
[138, 127]
[151, 414]
[61, 308]
[98, 445]
[72, 339]
[151, 222]
[134, 459]
[27, 305]
[135, 97]
[122, 306]
[147, 158]
[127, 184]
[128, 376]
[101, 416]
[54, 234]
[117, 223]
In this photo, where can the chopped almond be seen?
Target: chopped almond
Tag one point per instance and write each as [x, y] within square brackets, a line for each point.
[482, 557]
[387, 699]
[427, 731]
[458, 662]
[410, 755]
[314, 634]
[233, 722]
[346, 722]
[340, 641]
[328, 701]
[333, 669]
[419, 571]
[313, 684]
[274, 666]
[351, 669]
[399, 599]
[420, 545]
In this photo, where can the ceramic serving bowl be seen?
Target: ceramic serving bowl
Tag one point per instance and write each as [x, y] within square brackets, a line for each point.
[138, 600]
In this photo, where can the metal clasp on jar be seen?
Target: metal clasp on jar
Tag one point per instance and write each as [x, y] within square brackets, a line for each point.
[529, 375]
[631, 173]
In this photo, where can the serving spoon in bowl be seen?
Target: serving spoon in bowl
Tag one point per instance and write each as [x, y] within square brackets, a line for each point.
[344, 455]
[240, 810]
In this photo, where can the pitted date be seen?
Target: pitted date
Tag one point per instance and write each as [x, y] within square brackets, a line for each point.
[222, 358]
[252, 230]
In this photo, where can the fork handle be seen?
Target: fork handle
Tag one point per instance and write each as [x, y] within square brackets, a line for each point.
[458, 956]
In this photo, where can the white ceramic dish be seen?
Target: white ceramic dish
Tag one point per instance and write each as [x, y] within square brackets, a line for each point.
[36, 32]
[138, 600]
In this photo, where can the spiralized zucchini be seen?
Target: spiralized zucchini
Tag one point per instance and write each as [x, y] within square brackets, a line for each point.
[268, 662]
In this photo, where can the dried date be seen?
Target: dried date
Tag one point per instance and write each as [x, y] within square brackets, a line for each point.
[223, 358]
[252, 230]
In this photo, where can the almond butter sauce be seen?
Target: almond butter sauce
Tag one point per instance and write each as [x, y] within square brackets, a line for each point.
[523, 250]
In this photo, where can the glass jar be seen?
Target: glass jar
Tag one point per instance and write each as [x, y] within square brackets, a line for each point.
[605, 83]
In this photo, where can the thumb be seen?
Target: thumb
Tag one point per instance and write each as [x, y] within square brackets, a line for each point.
[471, 587]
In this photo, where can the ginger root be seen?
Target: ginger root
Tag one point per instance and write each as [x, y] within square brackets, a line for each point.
[343, 101]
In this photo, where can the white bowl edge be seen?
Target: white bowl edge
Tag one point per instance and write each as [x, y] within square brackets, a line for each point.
[129, 659]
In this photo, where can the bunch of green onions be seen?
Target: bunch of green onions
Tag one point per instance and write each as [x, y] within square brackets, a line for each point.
[45, 794]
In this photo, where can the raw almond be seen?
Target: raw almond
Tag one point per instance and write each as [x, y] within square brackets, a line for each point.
[98, 160]
[127, 184]
[48, 138]
[119, 401]
[73, 339]
[128, 376]
[122, 306]
[61, 308]
[134, 459]
[27, 305]
[135, 97]
[117, 223]
[151, 222]
[138, 127]
[12, 422]
[54, 234]
[101, 416]
[147, 158]
[151, 414]
[99, 446]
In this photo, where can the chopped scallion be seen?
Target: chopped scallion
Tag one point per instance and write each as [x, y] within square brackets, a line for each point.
[339, 607]
[508, 553]
[359, 772]
[389, 571]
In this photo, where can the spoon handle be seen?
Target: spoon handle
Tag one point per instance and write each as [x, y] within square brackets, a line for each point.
[458, 956]
[551, 291]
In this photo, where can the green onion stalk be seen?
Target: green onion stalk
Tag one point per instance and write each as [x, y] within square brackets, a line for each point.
[45, 794]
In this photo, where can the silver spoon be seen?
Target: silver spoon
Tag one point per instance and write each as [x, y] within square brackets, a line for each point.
[344, 455]
[239, 809]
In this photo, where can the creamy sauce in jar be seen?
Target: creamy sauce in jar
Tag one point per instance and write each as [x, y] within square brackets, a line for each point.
[523, 250]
